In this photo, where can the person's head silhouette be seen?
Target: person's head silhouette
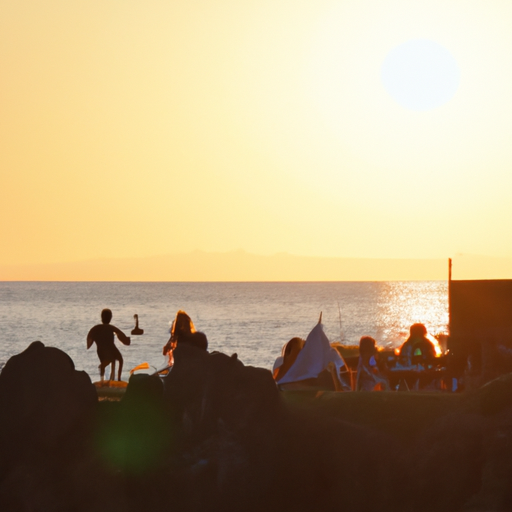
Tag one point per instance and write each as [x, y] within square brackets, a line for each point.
[106, 316]
[417, 331]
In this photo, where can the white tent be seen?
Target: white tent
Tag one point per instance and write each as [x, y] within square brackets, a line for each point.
[313, 358]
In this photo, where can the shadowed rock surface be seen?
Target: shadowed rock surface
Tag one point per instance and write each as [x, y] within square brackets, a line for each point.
[218, 435]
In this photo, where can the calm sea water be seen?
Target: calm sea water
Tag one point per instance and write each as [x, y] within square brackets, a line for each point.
[252, 319]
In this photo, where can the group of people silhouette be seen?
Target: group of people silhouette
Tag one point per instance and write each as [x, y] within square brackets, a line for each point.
[417, 351]
[104, 334]
[415, 355]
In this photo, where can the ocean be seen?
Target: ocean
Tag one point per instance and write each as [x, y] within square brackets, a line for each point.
[252, 319]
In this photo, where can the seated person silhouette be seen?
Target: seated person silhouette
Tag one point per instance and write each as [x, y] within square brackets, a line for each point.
[290, 352]
[418, 353]
[184, 331]
[103, 335]
[417, 349]
[369, 377]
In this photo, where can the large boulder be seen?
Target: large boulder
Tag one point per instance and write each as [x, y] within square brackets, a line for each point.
[230, 418]
[47, 408]
[43, 399]
[205, 389]
[133, 436]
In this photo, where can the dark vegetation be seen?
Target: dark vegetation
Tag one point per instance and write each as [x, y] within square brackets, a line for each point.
[217, 435]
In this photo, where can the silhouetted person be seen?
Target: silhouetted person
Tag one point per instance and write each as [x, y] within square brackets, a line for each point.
[183, 331]
[369, 377]
[289, 354]
[418, 349]
[103, 335]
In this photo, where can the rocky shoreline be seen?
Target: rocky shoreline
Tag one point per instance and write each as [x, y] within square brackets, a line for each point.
[218, 435]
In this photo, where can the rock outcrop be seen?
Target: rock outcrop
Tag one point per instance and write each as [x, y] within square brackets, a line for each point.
[218, 435]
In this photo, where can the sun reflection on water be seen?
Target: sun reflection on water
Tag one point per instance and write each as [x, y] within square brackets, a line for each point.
[399, 305]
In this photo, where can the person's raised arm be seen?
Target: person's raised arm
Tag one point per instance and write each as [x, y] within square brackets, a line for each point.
[121, 336]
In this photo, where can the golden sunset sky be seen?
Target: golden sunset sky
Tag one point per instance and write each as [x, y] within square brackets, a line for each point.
[133, 129]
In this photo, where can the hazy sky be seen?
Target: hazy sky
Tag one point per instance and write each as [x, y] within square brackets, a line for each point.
[346, 128]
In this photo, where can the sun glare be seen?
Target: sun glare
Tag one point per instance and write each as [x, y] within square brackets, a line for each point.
[420, 74]
[405, 90]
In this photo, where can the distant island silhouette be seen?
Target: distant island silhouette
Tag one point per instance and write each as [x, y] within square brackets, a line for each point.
[243, 266]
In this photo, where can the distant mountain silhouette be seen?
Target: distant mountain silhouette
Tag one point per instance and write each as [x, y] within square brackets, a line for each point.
[233, 266]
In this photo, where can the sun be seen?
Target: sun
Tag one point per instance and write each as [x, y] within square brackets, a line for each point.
[420, 74]
[380, 62]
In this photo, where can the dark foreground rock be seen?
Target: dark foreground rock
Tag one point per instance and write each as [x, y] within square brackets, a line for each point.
[218, 435]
